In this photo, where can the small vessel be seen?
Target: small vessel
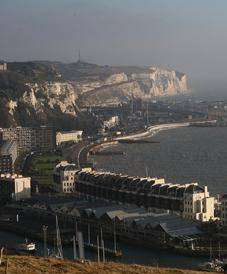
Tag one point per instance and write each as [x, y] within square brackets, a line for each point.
[108, 251]
[111, 252]
[213, 266]
[137, 141]
[27, 246]
[107, 153]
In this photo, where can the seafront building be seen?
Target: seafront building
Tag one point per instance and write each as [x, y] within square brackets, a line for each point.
[224, 210]
[14, 187]
[3, 66]
[31, 138]
[64, 177]
[190, 200]
[111, 122]
[68, 136]
[8, 156]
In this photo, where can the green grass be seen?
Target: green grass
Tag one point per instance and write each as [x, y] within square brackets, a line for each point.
[42, 166]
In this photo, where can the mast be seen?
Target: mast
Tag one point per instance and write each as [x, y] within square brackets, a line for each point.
[103, 252]
[74, 248]
[89, 234]
[76, 228]
[102, 244]
[45, 240]
[81, 245]
[98, 255]
[115, 241]
[58, 240]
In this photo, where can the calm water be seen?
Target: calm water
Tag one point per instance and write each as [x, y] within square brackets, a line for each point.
[182, 156]
[132, 254]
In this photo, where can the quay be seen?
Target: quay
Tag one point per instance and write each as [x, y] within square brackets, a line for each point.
[132, 224]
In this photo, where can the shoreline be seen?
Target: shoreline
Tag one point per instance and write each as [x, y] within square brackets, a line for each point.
[152, 130]
[149, 132]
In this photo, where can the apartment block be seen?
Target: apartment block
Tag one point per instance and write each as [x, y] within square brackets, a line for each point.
[31, 138]
[64, 177]
[3, 66]
[8, 156]
[14, 187]
[68, 136]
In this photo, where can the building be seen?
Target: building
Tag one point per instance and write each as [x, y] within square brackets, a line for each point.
[190, 200]
[68, 136]
[14, 187]
[8, 156]
[198, 204]
[31, 138]
[111, 122]
[223, 215]
[64, 177]
[3, 66]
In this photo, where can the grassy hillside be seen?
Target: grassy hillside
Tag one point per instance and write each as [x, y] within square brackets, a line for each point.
[33, 265]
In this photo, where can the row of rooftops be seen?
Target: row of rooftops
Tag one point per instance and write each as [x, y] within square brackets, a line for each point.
[131, 216]
[136, 184]
[65, 166]
[78, 132]
[9, 176]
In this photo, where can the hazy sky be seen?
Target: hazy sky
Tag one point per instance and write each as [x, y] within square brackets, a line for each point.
[188, 35]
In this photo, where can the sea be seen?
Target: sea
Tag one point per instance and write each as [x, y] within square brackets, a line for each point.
[182, 155]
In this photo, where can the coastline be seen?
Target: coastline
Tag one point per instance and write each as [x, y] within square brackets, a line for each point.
[149, 132]
[152, 130]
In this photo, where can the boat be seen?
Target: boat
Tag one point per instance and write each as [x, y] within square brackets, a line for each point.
[108, 251]
[213, 266]
[111, 252]
[27, 246]
[107, 153]
[137, 141]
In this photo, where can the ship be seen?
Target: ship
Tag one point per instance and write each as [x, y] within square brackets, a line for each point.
[137, 141]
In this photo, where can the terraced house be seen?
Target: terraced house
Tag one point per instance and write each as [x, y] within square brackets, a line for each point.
[190, 200]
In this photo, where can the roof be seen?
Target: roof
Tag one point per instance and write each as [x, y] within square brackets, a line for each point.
[65, 166]
[172, 224]
[149, 185]
[79, 132]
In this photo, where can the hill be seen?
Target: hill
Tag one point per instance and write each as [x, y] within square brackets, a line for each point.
[33, 265]
[52, 93]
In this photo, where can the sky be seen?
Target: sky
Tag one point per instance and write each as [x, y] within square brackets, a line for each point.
[187, 35]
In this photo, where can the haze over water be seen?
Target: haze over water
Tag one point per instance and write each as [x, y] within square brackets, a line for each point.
[183, 155]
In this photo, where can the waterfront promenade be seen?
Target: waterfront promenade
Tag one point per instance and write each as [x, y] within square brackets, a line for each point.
[152, 130]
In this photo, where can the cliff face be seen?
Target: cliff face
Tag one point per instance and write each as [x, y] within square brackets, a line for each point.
[35, 93]
[55, 95]
[149, 84]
